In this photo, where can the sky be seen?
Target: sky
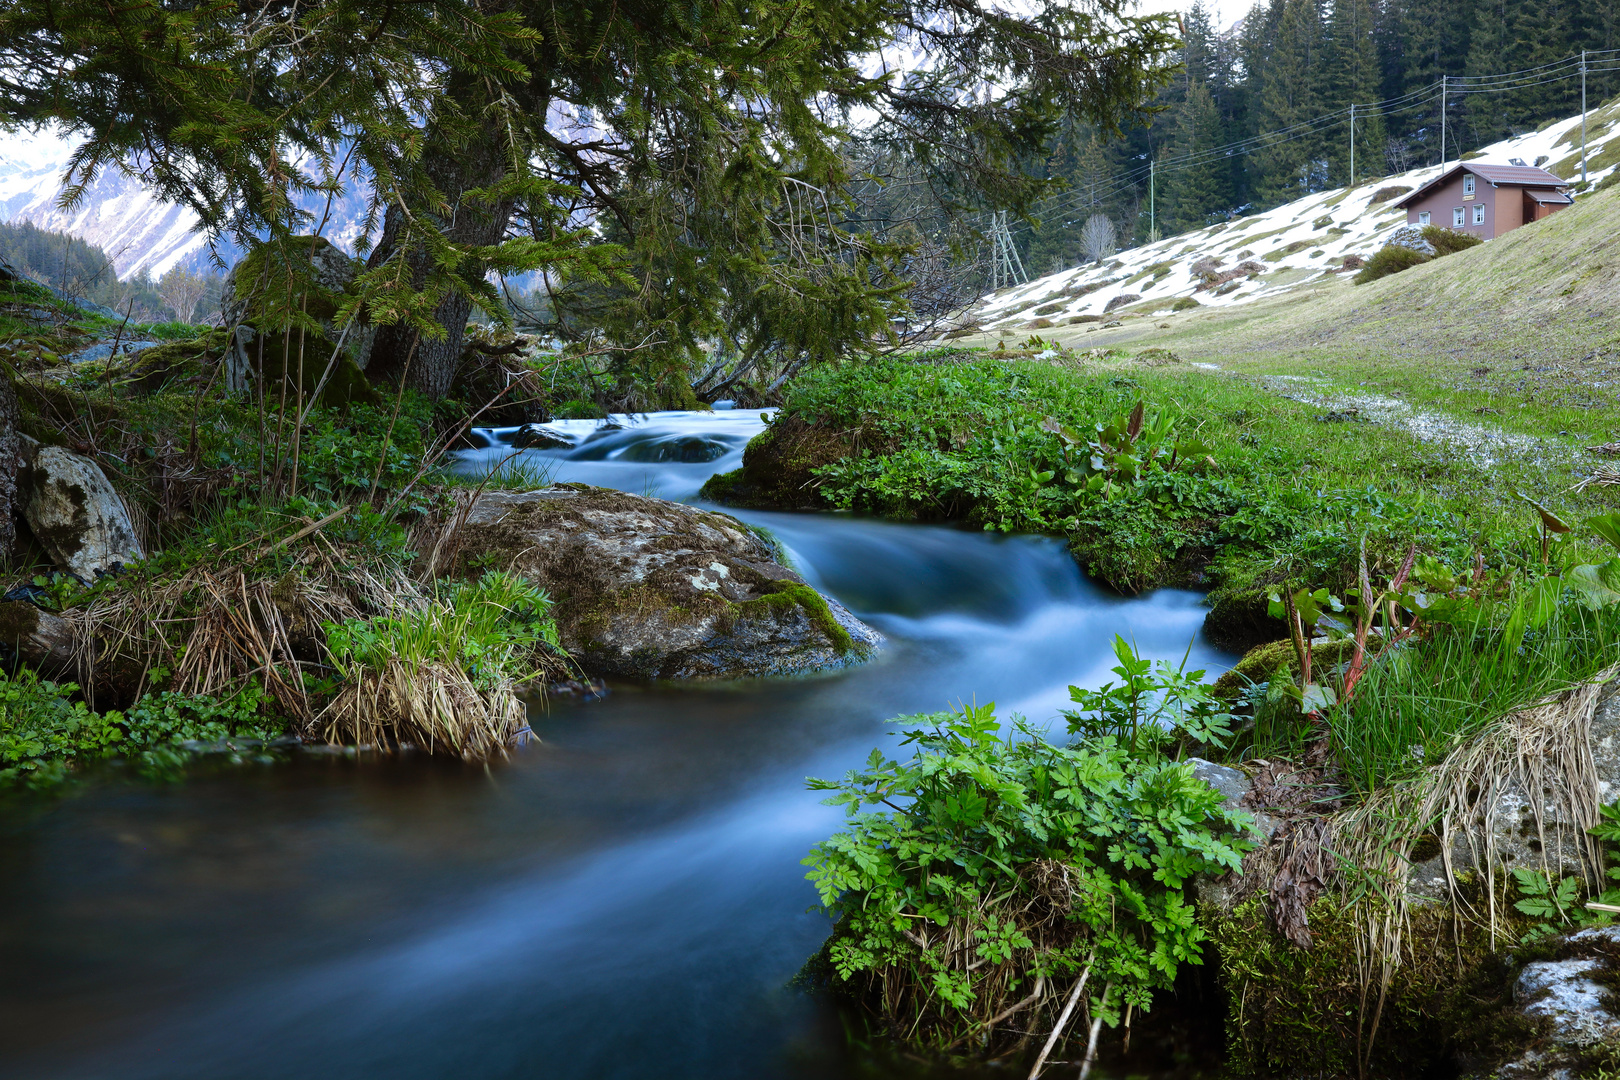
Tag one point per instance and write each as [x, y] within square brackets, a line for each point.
[1226, 12]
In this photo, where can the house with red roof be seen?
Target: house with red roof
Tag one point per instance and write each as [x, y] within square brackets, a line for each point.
[1486, 200]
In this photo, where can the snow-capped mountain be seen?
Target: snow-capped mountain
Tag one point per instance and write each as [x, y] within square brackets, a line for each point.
[1298, 243]
[117, 214]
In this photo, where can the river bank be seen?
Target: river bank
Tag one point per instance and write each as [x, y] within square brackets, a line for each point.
[626, 890]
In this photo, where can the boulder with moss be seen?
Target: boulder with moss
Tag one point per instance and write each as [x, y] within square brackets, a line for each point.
[649, 589]
[75, 514]
[296, 358]
[778, 469]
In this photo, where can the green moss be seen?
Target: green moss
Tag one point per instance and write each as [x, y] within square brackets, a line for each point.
[297, 364]
[784, 596]
[1293, 1011]
[272, 266]
[1238, 616]
[1264, 662]
[1186, 303]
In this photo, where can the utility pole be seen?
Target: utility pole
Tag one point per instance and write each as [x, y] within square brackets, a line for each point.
[1442, 123]
[995, 254]
[1583, 116]
[1153, 214]
[1006, 267]
[1015, 262]
[1352, 182]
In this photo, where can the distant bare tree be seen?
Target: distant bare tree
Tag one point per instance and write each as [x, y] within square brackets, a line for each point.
[1097, 237]
[1399, 153]
[182, 291]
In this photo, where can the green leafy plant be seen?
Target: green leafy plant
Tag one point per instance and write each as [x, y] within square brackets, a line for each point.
[1006, 875]
[44, 732]
[1122, 452]
[1152, 708]
[1552, 902]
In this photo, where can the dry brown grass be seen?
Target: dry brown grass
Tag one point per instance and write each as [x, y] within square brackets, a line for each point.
[433, 706]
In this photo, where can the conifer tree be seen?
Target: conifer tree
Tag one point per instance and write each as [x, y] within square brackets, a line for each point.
[1354, 76]
[502, 137]
[1196, 181]
[1293, 162]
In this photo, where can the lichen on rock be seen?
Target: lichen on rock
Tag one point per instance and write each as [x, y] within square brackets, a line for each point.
[649, 589]
[76, 515]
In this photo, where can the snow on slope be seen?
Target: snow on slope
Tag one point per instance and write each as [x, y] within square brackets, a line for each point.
[1299, 242]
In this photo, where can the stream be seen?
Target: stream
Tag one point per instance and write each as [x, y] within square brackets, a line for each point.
[623, 899]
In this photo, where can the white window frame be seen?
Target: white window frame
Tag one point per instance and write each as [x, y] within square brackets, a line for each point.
[1479, 213]
[1456, 217]
[1423, 217]
[1468, 183]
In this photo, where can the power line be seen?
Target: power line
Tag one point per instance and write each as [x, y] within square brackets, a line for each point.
[1413, 100]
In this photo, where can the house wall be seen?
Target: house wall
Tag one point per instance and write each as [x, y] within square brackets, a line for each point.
[1503, 207]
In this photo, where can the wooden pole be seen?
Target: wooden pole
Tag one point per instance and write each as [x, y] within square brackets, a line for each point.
[1442, 123]
[1583, 116]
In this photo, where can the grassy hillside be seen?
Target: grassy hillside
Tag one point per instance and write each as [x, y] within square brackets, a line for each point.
[1299, 246]
[1519, 335]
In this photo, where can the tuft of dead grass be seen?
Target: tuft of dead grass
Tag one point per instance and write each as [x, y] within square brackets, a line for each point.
[431, 705]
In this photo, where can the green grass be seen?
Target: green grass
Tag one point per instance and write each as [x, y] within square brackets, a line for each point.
[1289, 496]
[1294, 491]
[1420, 702]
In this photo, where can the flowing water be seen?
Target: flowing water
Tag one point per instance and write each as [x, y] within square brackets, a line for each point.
[624, 899]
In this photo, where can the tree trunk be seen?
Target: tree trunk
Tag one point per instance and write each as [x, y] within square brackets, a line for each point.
[454, 169]
[11, 447]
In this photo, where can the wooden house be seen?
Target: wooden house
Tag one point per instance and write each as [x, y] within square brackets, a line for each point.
[1486, 200]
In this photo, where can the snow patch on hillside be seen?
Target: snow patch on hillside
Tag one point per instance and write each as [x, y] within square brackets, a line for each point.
[1298, 243]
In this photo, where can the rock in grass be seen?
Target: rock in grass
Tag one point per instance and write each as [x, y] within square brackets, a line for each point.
[38, 638]
[649, 589]
[76, 515]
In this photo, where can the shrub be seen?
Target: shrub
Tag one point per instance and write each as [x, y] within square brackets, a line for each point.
[1449, 241]
[1390, 259]
[1186, 303]
[1384, 194]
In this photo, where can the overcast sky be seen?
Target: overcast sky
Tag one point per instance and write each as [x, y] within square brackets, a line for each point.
[1226, 12]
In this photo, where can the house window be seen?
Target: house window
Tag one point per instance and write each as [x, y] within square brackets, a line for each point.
[1468, 184]
[1479, 214]
[1423, 217]
[1456, 217]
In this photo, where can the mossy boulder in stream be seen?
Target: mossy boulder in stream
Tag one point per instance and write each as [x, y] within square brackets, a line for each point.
[650, 589]
[778, 469]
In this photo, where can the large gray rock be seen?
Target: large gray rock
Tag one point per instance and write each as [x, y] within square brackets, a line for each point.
[650, 589]
[1234, 786]
[75, 514]
[333, 273]
[1411, 237]
[1569, 997]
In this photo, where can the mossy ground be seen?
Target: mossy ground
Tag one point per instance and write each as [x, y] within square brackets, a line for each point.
[1293, 1011]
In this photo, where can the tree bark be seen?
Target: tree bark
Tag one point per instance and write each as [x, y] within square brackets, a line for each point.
[11, 449]
[454, 169]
